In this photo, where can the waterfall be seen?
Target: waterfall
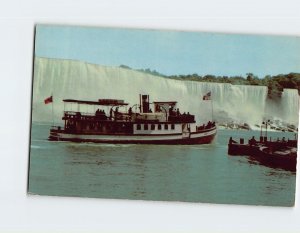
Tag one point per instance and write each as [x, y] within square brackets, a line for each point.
[290, 105]
[79, 80]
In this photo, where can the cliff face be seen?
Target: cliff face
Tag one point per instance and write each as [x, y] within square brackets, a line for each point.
[79, 80]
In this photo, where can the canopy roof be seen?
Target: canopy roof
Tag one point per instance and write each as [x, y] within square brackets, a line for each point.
[106, 102]
[165, 102]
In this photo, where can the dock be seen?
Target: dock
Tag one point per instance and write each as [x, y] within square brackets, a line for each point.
[276, 154]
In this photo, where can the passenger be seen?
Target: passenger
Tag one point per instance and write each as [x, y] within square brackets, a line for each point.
[130, 111]
[110, 113]
[209, 124]
[171, 111]
[188, 113]
[150, 110]
[177, 112]
[116, 112]
[252, 141]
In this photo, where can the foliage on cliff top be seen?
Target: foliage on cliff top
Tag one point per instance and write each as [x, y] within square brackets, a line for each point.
[275, 83]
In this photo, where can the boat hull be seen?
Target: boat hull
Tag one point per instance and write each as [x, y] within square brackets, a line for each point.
[203, 137]
[260, 153]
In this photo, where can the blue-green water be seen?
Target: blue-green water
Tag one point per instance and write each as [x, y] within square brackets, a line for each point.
[197, 173]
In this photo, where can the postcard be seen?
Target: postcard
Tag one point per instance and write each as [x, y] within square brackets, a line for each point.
[164, 115]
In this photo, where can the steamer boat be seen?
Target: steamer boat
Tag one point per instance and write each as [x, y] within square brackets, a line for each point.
[137, 124]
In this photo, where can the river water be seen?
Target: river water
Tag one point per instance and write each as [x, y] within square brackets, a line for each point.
[190, 173]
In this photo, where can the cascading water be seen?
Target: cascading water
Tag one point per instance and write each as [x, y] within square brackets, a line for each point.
[79, 80]
[285, 109]
[233, 102]
[290, 105]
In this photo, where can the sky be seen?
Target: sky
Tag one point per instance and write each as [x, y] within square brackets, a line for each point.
[171, 52]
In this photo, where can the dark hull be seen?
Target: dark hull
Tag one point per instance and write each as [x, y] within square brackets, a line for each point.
[287, 162]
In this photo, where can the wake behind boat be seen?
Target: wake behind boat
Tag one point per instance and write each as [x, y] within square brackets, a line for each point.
[164, 125]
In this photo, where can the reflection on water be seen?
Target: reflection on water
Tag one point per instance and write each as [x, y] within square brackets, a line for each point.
[197, 173]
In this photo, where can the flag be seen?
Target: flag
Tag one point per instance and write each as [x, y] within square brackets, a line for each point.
[207, 96]
[48, 100]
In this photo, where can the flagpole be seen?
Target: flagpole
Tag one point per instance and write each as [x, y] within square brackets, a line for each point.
[212, 110]
[52, 110]
[209, 98]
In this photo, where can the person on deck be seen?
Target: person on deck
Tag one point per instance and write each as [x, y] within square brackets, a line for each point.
[110, 113]
[171, 111]
[252, 141]
[208, 125]
[116, 113]
[130, 113]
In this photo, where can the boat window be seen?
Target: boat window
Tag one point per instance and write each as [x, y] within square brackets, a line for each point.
[166, 126]
[152, 127]
[172, 126]
[159, 127]
[138, 127]
[145, 126]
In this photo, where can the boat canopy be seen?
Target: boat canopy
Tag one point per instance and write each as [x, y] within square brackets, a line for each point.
[171, 103]
[112, 102]
[106, 102]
